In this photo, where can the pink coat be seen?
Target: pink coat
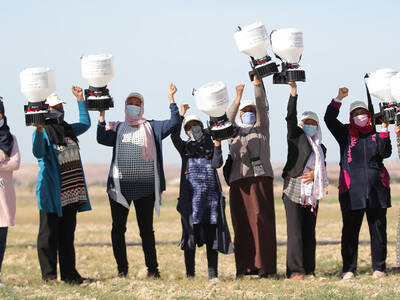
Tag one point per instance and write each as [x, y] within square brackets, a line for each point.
[7, 192]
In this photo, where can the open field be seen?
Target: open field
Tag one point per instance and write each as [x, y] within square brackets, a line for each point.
[21, 274]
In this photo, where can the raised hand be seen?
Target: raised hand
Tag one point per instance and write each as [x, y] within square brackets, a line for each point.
[343, 93]
[171, 92]
[256, 80]
[293, 85]
[239, 93]
[78, 92]
[184, 109]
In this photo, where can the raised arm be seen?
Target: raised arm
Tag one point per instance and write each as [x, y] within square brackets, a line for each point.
[176, 132]
[233, 109]
[337, 128]
[105, 137]
[262, 118]
[39, 142]
[384, 144]
[14, 162]
[168, 125]
[291, 117]
[84, 119]
[217, 160]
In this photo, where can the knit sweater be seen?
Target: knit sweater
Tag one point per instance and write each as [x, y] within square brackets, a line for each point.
[251, 142]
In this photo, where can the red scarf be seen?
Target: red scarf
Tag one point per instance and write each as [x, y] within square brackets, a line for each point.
[355, 130]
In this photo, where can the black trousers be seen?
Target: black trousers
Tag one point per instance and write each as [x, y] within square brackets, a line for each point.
[144, 214]
[352, 221]
[3, 241]
[301, 243]
[205, 233]
[57, 235]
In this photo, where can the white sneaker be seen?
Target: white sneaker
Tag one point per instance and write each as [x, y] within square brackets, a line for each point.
[214, 280]
[347, 275]
[378, 274]
[1, 284]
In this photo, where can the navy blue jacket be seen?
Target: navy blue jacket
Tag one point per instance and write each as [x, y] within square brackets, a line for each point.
[222, 242]
[161, 129]
[364, 181]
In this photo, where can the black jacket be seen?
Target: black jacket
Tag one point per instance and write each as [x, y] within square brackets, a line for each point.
[364, 181]
[299, 149]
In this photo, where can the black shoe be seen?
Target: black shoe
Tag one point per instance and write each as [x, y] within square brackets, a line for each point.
[153, 274]
[79, 280]
[50, 279]
[123, 274]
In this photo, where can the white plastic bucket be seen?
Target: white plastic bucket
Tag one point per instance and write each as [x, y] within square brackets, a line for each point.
[252, 40]
[212, 98]
[379, 84]
[97, 69]
[37, 83]
[287, 43]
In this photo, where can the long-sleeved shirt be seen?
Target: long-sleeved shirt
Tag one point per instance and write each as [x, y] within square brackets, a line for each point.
[364, 181]
[251, 142]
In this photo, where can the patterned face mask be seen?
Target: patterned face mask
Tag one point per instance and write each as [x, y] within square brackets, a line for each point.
[361, 120]
[133, 110]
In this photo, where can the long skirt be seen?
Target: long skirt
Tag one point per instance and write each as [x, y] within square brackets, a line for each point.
[253, 219]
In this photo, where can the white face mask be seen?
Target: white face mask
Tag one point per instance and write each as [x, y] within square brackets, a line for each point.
[1, 122]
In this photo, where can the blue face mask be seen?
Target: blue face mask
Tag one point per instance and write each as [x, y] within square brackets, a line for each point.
[248, 118]
[310, 130]
[133, 110]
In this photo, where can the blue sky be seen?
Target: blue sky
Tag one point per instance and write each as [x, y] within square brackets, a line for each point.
[191, 43]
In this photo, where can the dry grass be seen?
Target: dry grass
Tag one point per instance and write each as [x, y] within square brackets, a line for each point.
[22, 279]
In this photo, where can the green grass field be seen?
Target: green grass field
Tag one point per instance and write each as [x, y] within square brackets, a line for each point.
[22, 279]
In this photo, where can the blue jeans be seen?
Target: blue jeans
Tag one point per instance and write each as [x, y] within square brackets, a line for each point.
[3, 239]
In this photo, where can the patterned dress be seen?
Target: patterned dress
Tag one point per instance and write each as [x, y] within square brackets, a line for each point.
[73, 188]
[205, 190]
[136, 175]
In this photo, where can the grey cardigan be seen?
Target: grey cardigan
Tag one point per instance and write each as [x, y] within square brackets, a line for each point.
[251, 142]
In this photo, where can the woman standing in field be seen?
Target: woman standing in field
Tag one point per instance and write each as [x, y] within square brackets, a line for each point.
[61, 189]
[364, 183]
[9, 162]
[136, 175]
[251, 186]
[201, 202]
[305, 184]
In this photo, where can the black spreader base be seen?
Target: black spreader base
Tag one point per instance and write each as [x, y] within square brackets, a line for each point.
[222, 134]
[264, 70]
[99, 104]
[296, 75]
[35, 119]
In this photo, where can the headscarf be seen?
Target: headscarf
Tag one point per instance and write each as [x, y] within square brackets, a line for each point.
[57, 132]
[355, 130]
[313, 191]
[147, 149]
[6, 138]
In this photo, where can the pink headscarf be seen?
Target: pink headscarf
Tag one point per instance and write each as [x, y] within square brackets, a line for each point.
[148, 151]
[148, 147]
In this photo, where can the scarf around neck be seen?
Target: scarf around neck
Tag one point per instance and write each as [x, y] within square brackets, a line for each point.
[355, 130]
[6, 138]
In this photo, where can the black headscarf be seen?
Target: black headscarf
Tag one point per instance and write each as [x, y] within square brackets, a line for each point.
[6, 139]
[57, 133]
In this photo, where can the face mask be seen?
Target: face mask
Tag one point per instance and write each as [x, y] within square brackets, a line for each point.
[196, 132]
[249, 118]
[57, 114]
[1, 122]
[310, 130]
[361, 120]
[133, 110]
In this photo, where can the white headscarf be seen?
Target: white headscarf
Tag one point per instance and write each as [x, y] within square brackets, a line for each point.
[313, 191]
